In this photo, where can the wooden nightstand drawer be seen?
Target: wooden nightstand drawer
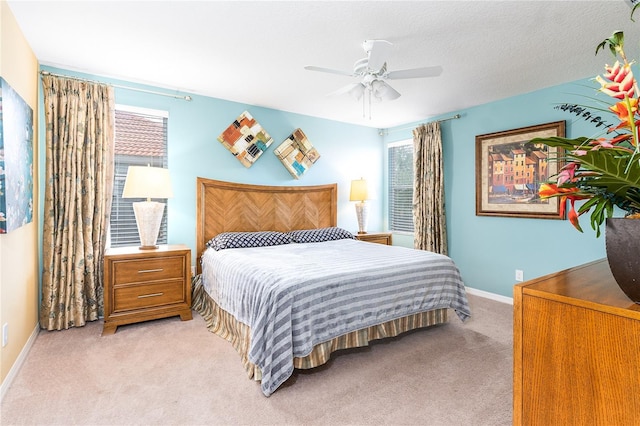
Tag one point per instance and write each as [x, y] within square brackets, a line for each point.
[127, 298]
[137, 270]
[378, 238]
[142, 285]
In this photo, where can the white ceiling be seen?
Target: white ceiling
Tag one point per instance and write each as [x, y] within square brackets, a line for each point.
[254, 51]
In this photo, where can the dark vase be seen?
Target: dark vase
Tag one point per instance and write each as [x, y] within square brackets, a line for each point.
[622, 239]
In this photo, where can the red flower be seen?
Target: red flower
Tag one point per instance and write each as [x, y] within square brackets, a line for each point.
[602, 169]
[568, 172]
[548, 190]
[611, 143]
[622, 83]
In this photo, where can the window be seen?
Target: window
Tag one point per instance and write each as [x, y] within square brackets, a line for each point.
[401, 186]
[140, 140]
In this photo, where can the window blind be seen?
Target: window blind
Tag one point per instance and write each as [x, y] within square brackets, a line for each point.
[140, 140]
[401, 186]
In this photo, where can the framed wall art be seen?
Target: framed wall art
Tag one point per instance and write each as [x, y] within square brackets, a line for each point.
[509, 172]
[297, 154]
[245, 139]
[16, 160]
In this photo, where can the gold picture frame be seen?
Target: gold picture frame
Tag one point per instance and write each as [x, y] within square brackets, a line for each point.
[509, 172]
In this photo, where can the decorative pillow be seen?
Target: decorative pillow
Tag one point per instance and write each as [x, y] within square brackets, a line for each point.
[319, 235]
[228, 240]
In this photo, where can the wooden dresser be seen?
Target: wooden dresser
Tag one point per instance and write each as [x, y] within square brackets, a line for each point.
[576, 350]
[378, 237]
[141, 285]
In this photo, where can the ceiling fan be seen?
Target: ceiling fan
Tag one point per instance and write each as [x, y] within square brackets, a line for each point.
[373, 73]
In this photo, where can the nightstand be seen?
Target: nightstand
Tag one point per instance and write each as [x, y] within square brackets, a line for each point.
[379, 238]
[142, 285]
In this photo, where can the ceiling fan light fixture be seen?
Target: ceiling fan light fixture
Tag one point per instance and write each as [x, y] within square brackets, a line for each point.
[373, 71]
[378, 89]
[383, 92]
[357, 91]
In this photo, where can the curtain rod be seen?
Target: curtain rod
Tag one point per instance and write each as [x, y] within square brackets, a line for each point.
[384, 132]
[186, 98]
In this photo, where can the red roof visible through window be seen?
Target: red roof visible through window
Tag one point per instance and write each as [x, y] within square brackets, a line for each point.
[139, 135]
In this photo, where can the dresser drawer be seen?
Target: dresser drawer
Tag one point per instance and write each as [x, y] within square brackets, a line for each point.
[137, 270]
[127, 298]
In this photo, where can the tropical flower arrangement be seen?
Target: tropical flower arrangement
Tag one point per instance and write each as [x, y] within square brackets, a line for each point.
[603, 170]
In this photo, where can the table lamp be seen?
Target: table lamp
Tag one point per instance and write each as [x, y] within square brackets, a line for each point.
[360, 192]
[147, 182]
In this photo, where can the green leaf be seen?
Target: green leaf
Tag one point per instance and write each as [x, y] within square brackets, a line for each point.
[597, 217]
[633, 11]
[615, 42]
[609, 175]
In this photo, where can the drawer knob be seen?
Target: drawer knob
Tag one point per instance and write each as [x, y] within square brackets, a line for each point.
[145, 271]
[142, 296]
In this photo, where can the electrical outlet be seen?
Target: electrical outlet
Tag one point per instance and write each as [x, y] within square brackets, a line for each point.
[519, 275]
[5, 334]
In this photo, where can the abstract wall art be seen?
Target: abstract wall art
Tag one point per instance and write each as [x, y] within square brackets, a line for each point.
[246, 139]
[297, 154]
[16, 160]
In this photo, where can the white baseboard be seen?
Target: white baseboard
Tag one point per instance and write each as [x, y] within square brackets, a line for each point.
[6, 383]
[492, 296]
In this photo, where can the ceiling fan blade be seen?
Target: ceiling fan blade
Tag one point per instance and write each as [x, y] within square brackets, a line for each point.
[355, 90]
[329, 70]
[383, 92]
[414, 73]
[378, 51]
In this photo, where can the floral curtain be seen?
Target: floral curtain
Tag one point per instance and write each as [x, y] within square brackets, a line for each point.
[430, 231]
[79, 120]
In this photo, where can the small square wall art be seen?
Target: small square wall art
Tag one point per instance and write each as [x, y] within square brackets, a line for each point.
[16, 160]
[297, 154]
[246, 139]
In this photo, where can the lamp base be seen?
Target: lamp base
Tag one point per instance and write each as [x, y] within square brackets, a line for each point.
[148, 218]
[362, 211]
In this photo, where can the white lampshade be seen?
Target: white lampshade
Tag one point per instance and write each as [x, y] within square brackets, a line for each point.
[147, 182]
[359, 190]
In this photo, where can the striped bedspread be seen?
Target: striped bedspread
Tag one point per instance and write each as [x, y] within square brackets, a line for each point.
[295, 296]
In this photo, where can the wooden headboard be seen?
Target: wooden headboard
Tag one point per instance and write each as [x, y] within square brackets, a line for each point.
[229, 207]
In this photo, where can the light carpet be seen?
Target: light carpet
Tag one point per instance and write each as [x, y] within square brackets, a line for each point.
[169, 372]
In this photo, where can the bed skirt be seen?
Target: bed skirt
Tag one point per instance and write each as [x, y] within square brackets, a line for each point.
[226, 326]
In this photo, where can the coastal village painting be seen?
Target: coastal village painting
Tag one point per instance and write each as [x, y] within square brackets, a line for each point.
[515, 173]
[510, 170]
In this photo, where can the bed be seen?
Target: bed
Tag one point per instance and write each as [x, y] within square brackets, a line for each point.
[311, 289]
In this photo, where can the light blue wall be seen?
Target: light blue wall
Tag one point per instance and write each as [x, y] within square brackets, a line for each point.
[347, 152]
[488, 250]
